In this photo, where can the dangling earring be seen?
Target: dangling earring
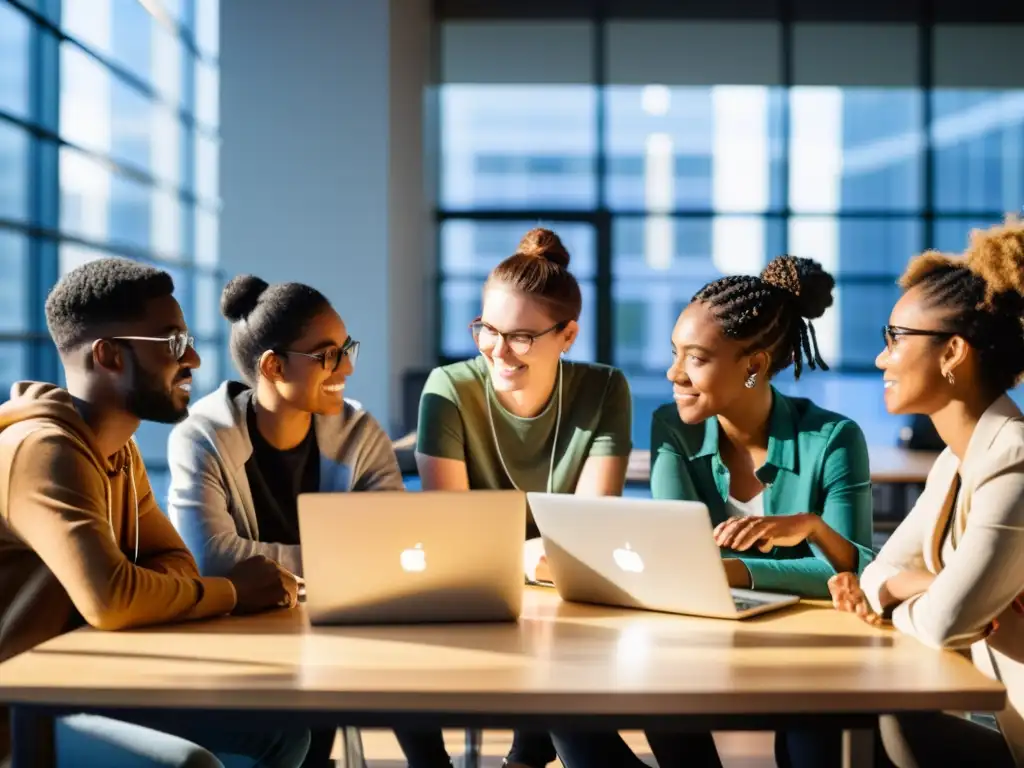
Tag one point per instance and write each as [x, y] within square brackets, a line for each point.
[951, 378]
[751, 381]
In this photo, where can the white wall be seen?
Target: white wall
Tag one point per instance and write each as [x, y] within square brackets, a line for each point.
[322, 168]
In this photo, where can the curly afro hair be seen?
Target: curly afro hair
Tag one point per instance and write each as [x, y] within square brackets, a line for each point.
[981, 295]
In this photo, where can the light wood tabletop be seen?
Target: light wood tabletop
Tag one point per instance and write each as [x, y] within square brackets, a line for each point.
[899, 465]
[560, 658]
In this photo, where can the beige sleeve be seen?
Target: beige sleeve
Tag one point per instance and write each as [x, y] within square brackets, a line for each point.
[904, 549]
[986, 571]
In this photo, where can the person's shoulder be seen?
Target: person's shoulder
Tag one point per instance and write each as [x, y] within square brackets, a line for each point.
[357, 418]
[667, 416]
[997, 445]
[814, 421]
[666, 422]
[596, 376]
[223, 409]
[457, 379]
[45, 446]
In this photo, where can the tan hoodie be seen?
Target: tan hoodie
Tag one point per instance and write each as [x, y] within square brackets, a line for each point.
[81, 537]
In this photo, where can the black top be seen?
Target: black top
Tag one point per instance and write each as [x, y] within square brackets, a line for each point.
[276, 478]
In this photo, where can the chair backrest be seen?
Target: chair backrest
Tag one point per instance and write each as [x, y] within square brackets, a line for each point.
[920, 435]
[413, 382]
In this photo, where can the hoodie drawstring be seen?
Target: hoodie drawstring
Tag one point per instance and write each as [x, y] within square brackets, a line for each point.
[128, 469]
[135, 503]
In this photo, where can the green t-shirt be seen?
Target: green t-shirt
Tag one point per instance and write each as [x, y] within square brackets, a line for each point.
[453, 424]
[817, 462]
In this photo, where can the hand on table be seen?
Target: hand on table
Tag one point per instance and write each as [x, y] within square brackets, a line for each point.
[261, 585]
[765, 533]
[849, 597]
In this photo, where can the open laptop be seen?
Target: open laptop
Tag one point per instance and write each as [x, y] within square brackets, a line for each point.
[641, 553]
[397, 557]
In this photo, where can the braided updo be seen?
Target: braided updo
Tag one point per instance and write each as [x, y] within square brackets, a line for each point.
[982, 298]
[772, 311]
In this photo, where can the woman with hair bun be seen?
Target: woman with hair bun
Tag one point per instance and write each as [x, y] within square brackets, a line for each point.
[952, 574]
[786, 483]
[518, 416]
[247, 450]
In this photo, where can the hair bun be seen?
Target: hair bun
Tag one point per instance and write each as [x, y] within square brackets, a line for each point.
[240, 296]
[544, 244]
[996, 255]
[805, 280]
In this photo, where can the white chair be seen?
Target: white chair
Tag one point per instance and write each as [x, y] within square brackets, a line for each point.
[352, 756]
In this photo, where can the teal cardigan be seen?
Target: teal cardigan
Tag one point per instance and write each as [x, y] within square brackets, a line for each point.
[817, 462]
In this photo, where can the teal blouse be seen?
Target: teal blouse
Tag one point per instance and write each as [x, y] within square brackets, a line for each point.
[817, 462]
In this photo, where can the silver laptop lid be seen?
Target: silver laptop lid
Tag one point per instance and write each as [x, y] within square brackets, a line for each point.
[407, 557]
[638, 553]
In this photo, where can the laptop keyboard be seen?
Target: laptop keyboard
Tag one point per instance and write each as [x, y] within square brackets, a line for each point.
[745, 603]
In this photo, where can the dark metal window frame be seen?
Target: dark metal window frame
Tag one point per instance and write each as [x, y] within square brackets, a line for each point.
[42, 224]
[924, 14]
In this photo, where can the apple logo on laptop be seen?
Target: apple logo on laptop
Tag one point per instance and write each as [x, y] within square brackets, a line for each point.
[414, 559]
[628, 560]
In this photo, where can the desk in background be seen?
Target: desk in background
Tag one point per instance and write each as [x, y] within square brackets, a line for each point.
[904, 471]
[888, 466]
[562, 664]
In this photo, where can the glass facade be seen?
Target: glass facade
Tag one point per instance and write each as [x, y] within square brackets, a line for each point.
[665, 161]
[108, 146]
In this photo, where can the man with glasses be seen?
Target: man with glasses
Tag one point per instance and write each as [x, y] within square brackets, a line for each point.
[82, 538]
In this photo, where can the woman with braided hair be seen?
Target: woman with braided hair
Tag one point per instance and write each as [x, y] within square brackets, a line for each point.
[786, 483]
[952, 574]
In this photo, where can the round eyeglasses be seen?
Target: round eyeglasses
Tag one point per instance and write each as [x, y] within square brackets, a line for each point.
[519, 342]
[331, 357]
[178, 342]
[891, 333]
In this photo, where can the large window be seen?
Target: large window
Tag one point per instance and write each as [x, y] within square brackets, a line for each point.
[108, 146]
[666, 158]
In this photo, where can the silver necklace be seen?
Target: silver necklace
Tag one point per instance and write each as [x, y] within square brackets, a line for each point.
[554, 444]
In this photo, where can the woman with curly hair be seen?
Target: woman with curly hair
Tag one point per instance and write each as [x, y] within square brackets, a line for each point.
[952, 574]
[786, 482]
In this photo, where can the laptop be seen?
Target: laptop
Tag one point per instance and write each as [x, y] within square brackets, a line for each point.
[641, 553]
[398, 557]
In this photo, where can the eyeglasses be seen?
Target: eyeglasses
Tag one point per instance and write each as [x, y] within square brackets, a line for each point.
[178, 342]
[519, 342]
[890, 333]
[331, 357]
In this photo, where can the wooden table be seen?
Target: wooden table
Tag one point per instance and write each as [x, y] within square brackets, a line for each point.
[899, 466]
[889, 465]
[562, 664]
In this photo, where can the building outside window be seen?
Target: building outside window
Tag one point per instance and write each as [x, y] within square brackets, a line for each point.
[108, 147]
[665, 160]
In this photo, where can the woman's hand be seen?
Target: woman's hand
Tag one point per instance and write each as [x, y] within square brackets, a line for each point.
[742, 533]
[849, 597]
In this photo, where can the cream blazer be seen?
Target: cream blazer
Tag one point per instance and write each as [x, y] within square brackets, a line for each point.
[976, 549]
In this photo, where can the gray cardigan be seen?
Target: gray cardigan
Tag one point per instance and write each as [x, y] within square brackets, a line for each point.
[210, 502]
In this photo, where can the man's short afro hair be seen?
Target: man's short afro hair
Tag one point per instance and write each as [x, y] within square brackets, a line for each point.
[99, 293]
